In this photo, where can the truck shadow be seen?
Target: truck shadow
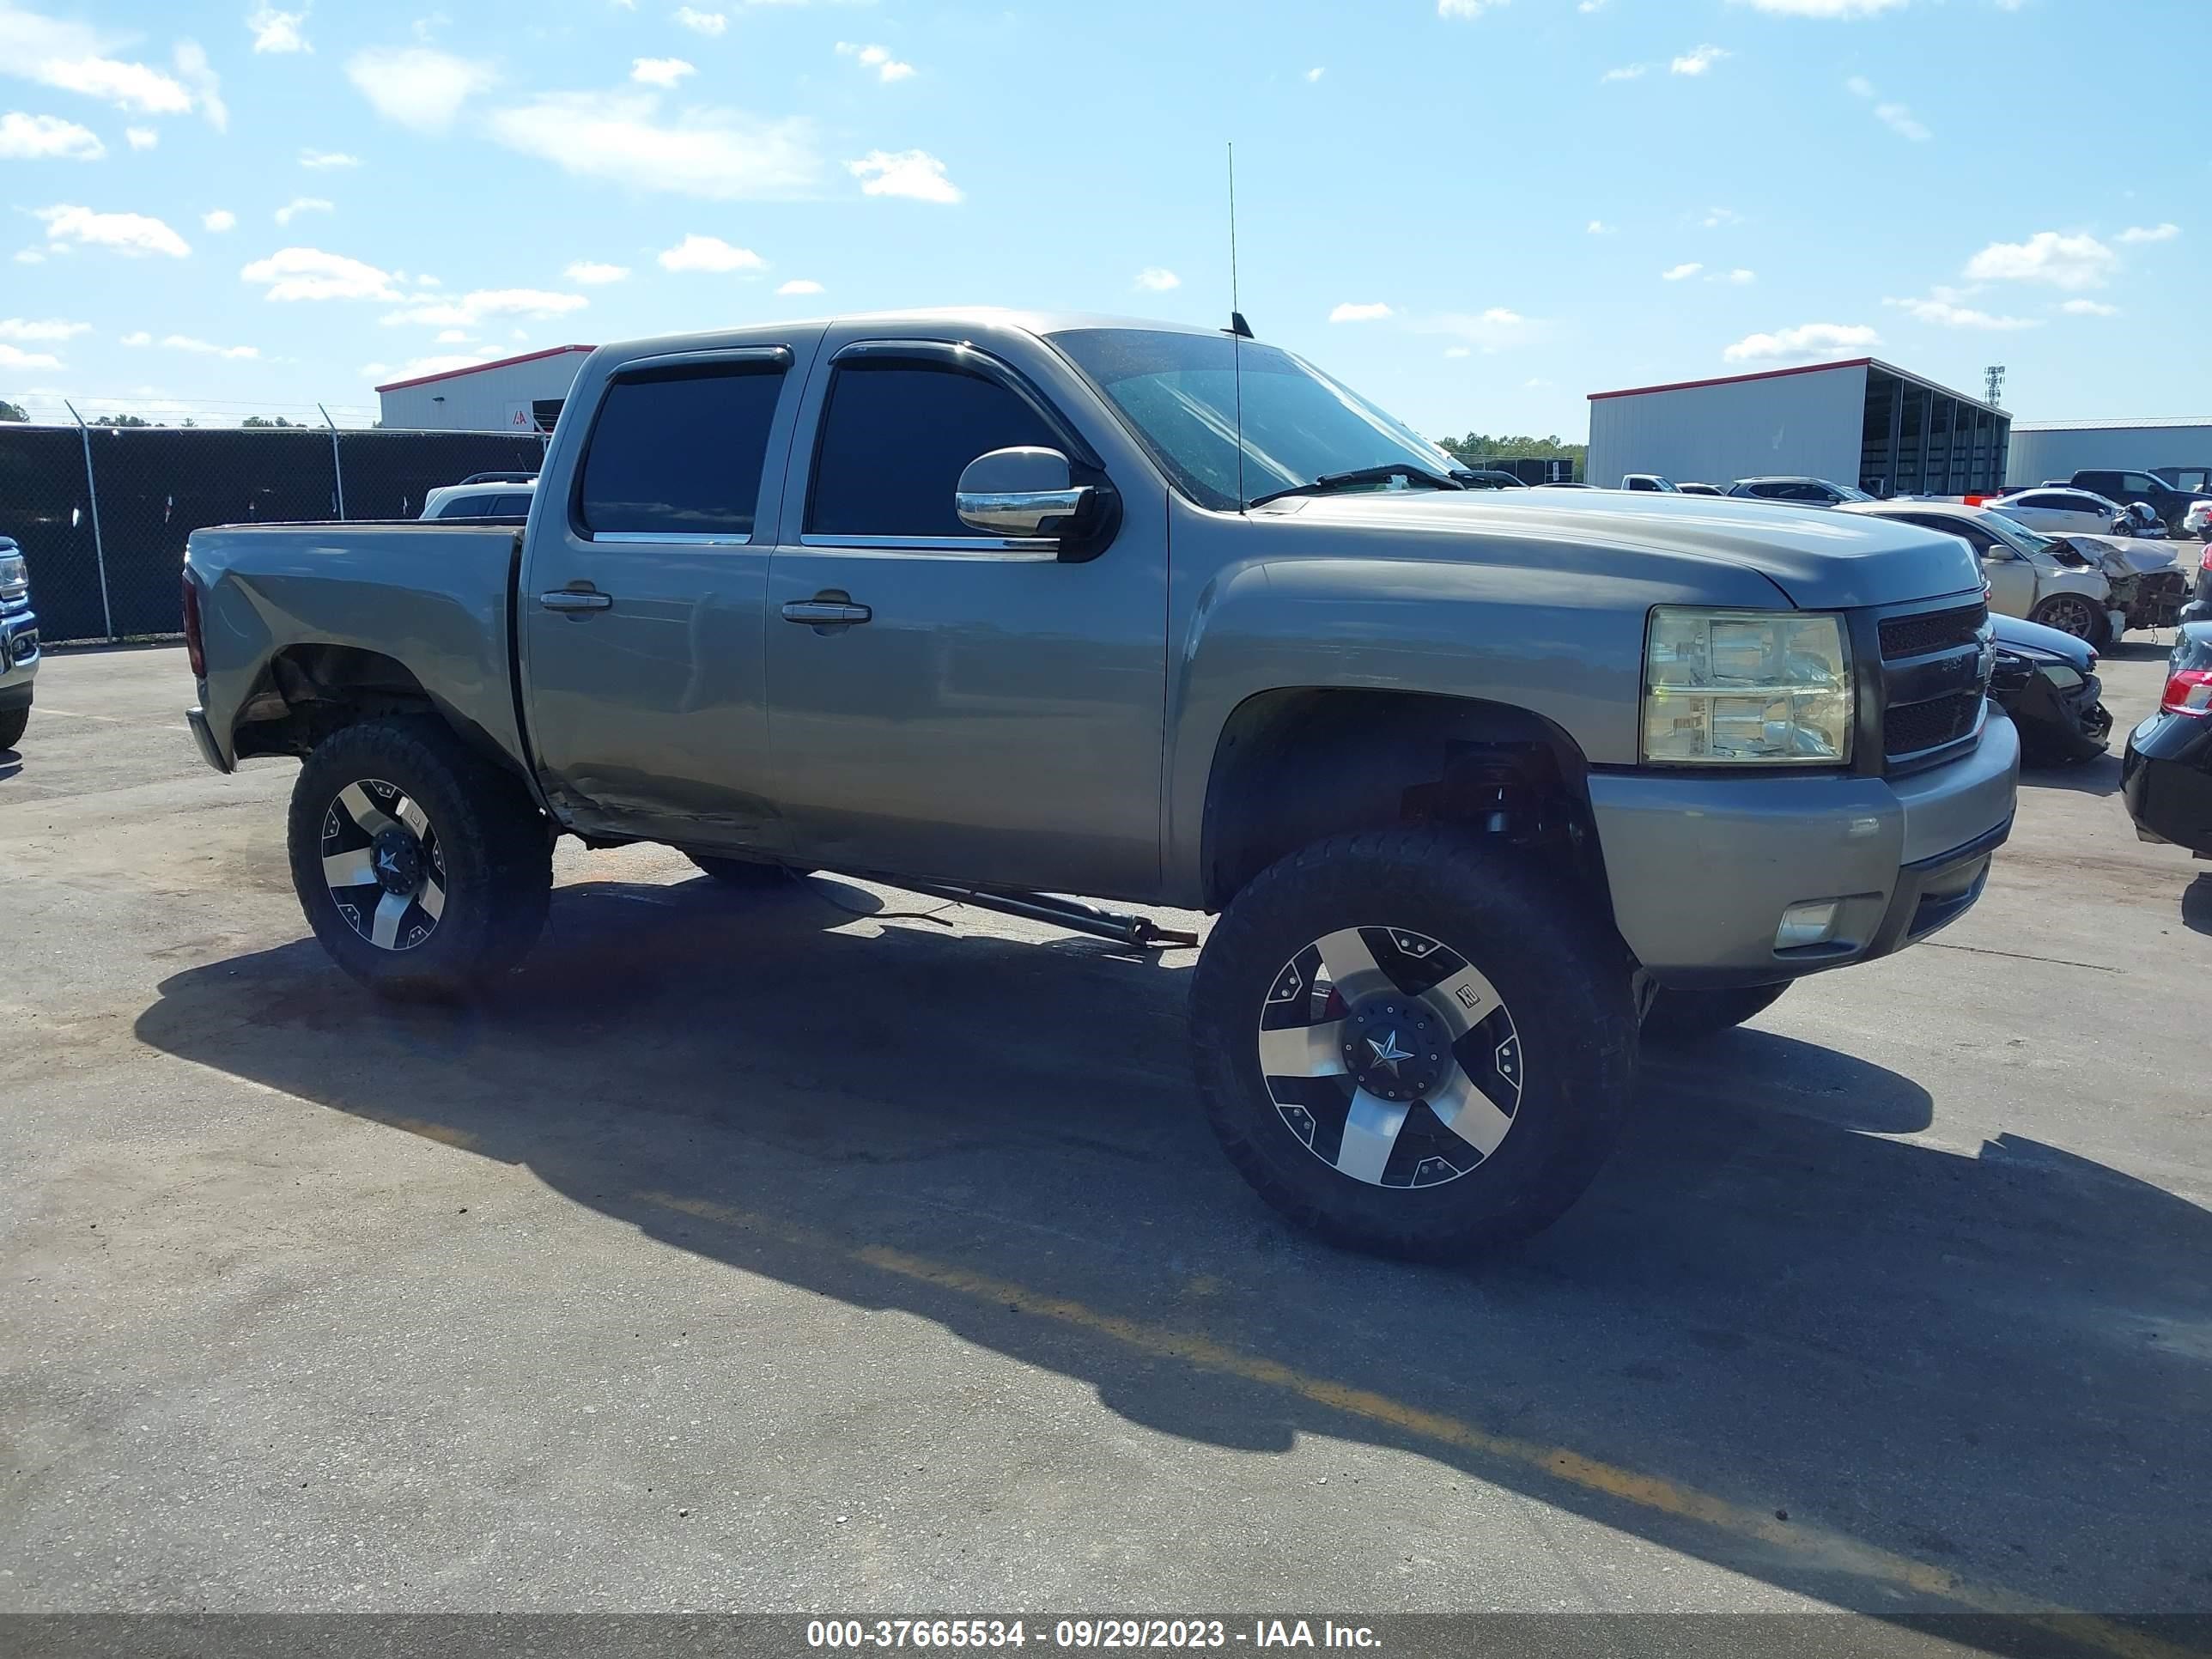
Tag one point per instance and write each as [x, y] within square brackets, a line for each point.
[2097, 775]
[1991, 1361]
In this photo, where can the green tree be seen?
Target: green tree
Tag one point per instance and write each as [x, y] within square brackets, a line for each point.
[260, 421]
[13, 411]
[1477, 447]
[123, 419]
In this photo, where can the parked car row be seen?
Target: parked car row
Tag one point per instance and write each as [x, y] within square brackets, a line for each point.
[19, 644]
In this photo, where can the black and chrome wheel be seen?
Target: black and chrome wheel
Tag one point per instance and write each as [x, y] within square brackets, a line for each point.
[1411, 1045]
[420, 867]
[383, 865]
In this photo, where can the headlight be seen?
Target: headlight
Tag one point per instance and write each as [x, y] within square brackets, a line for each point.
[14, 573]
[1759, 688]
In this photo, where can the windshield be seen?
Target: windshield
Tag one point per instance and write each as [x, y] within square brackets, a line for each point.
[2019, 536]
[1179, 393]
[1847, 493]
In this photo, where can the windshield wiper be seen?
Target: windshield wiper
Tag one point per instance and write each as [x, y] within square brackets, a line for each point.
[1363, 475]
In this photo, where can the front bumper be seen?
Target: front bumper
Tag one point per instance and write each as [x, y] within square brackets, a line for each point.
[19, 657]
[1702, 867]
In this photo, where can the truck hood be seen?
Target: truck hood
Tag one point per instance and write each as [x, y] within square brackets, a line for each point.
[1820, 559]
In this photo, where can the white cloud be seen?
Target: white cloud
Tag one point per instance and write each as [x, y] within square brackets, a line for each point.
[1626, 72]
[914, 173]
[141, 338]
[31, 256]
[126, 232]
[1353, 312]
[1945, 313]
[1157, 279]
[141, 138]
[2070, 262]
[1806, 343]
[1739, 275]
[1697, 60]
[319, 159]
[278, 30]
[1467, 8]
[484, 305]
[1492, 330]
[710, 253]
[701, 23]
[1678, 273]
[1315, 73]
[718, 155]
[800, 285]
[1459, 351]
[1897, 117]
[878, 58]
[74, 57]
[592, 271]
[46, 138]
[24, 332]
[309, 273]
[2089, 309]
[15, 357]
[207, 349]
[1822, 7]
[219, 219]
[1599, 227]
[1589, 6]
[659, 71]
[415, 367]
[2164, 232]
[1718, 217]
[192, 63]
[452, 337]
[416, 86]
[300, 204]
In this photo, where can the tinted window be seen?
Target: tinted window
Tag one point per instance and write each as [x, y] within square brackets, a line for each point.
[679, 451]
[895, 439]
[466, 507]
[511, 506]
[2139, 483]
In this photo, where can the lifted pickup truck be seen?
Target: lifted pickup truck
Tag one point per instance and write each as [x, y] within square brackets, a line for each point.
[1003, 603]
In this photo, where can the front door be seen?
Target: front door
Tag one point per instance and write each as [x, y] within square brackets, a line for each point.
[983, 711]
[643, 602]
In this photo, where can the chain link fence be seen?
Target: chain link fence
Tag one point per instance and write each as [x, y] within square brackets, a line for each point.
[102, 513]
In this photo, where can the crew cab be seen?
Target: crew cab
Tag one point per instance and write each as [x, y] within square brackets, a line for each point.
[1012, 606]
[2169, 501]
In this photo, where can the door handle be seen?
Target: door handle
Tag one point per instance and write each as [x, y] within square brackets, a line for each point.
[826, 613]
[575, 598]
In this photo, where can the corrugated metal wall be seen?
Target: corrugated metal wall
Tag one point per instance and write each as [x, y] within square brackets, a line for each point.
[1808, 424]
[484, 401]
[2061, 451]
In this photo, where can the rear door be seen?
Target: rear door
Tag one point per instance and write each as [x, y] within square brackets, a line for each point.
[992, 714]
[643, 602]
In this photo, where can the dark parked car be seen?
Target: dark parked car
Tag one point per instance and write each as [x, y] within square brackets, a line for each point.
[2199, 608]
[19, 645]
[2166, 777]
[1798, 492]
[2170, 501]
[1701, 490]
[2047, 682]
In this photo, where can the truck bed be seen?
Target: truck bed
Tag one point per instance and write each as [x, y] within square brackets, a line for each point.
[435, 596]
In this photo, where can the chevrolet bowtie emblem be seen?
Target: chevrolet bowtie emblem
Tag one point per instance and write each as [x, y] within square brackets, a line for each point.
[1387, 1051]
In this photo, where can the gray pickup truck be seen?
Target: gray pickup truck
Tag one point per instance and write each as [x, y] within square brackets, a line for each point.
[1018, 605]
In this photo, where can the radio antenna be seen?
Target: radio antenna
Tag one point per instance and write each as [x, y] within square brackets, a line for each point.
[1237, 330]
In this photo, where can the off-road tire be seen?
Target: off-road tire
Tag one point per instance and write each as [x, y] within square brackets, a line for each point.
[742, 873]
[1679, 1018]
[496, 845]
[13, 722]
[1559, 969]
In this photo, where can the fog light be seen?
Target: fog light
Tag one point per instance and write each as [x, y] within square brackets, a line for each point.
[1808, 924]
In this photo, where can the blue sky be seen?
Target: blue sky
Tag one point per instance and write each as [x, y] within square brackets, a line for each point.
[1475, 210]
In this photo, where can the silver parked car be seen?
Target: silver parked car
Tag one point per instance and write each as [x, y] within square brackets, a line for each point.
[2029, 575]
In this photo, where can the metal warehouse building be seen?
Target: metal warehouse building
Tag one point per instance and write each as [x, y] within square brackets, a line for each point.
[2058, 449]
[515, 394]
[1859, 421]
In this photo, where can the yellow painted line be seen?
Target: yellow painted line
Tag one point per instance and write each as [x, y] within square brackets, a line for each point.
[1815, 1546]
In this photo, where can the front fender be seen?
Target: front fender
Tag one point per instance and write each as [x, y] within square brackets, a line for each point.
[1562, 643]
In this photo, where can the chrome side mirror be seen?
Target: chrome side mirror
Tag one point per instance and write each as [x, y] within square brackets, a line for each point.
[1024, 493]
